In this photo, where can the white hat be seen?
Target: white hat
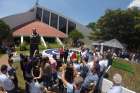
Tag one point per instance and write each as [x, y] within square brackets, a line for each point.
[117, 78]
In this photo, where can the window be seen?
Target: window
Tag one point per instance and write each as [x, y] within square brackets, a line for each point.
[46, 15]
[39, 13]
[62, 24]
[71, 26]
[54, 19]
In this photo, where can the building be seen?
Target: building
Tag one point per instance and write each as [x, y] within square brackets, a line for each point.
[53, 20]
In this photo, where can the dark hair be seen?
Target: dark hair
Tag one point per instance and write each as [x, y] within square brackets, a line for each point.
[34, 31]
[10, 61]
[2, 89]
[36, 71]
[11, 55]
[3, 68]
[45, 59]
[54, 56]
[69, 74]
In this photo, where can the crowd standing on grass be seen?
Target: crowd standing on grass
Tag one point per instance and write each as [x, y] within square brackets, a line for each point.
[71, 73]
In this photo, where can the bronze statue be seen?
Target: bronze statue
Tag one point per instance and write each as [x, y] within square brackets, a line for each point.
[34, 42]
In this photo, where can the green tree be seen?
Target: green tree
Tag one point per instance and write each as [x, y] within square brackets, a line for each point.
[75, 34]
[96, 34]
[4, 30]
[92, 25]
[123, 25]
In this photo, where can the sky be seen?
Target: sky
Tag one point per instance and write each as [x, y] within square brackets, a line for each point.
[82, 11]
[135, 3]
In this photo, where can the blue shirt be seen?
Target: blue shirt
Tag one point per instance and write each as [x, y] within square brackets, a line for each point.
[90, 78]
[69, 88]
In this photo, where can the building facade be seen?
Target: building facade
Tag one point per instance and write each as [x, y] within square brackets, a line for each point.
[47, 16]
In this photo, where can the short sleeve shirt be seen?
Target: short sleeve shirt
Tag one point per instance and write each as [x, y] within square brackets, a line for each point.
[103, 64]
[69, 88]
[90, 78]
[6, 82]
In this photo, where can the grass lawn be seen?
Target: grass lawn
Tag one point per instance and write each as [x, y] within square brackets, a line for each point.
[54, 45]
[21, 81]
[0, 55]
[130, 73]
[123, 65]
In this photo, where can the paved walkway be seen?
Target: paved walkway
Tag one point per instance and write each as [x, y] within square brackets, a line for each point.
[4, 59]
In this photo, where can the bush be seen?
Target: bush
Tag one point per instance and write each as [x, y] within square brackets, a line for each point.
[42, 47]
[75, 34]
[24, 47]
[54, 45]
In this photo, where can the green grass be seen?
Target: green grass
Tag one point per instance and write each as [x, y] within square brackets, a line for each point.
[21, 81]
[54, 45]
[26, 47]
[23, 52]
[130, 73]
[122, 64]
[1, 55]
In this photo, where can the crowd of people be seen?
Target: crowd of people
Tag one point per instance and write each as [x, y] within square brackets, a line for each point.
[71, 73]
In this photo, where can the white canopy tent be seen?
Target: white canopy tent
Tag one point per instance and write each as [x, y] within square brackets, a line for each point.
[113, 43]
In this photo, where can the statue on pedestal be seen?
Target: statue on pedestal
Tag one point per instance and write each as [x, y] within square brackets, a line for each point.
[34, 42]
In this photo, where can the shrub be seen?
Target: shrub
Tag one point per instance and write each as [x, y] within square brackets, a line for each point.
[42, 47]
[24, 47]
[54, 45]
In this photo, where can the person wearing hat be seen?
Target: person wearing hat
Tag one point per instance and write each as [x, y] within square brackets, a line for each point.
[116, 88]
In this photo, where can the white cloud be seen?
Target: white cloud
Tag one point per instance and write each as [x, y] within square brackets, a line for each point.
[134, 3]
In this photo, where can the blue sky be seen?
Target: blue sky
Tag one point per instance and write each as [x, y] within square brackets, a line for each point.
[83, 11]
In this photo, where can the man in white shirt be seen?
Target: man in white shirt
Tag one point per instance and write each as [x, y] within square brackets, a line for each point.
[5, 81]
[103, 64]
[116, 88]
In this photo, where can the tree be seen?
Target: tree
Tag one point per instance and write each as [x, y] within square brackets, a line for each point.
[123, 25]
[4, 30]
[96, 34]
[75, 34]
[92, 25]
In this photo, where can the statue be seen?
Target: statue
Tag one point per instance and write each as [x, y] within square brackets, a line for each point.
[34, 42]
